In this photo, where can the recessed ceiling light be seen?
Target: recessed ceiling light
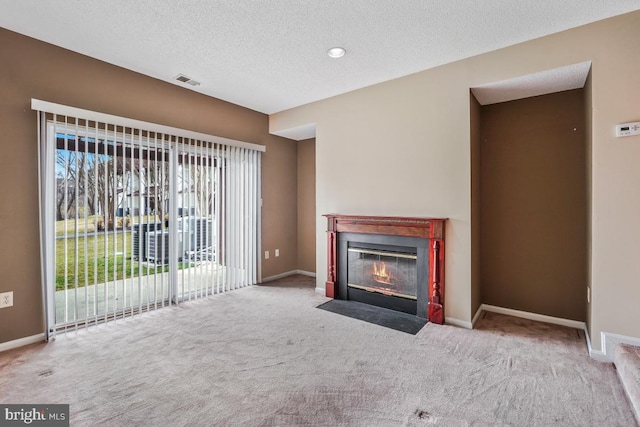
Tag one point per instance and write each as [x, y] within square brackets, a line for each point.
[336, 52]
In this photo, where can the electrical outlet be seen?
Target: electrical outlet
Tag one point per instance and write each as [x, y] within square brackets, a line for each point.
[6, 299]
[266, 254]
[277, 252]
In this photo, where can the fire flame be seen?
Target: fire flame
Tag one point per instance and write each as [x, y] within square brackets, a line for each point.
[380, 273]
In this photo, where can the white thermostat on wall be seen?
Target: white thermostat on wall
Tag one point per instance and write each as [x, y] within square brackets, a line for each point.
[628, 129]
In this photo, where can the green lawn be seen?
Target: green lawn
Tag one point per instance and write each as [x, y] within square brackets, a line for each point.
[90, 225]
[88, 249]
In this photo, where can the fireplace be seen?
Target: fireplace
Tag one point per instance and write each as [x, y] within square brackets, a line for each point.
[383, 271]
[389, 262]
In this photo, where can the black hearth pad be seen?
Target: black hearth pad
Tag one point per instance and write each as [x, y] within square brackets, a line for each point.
[399, 321]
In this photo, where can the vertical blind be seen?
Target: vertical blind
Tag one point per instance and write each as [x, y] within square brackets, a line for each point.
[137, 216]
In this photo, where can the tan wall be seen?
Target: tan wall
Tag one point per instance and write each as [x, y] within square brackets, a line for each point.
[279, 208]
[476, 204]
[307, 205]
[415, 131]
[533, 186]
[32, 69]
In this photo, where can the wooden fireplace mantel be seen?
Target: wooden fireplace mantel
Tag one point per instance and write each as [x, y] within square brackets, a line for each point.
[425, 228]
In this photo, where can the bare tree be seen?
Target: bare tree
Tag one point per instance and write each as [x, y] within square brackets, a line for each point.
[69, 181]
[154, 184]
[109, 180]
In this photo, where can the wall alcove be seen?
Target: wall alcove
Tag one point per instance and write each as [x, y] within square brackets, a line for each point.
[530, 198]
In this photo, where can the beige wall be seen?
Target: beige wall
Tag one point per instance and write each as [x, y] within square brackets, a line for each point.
[409, 139]
[307, 205]
[588, 133]
[32, 69]
[377, 156]
[615, 204]
[534, 212]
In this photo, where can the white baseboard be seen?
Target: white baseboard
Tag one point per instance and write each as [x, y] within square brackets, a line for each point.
[594, 354]
[20, 342]
[462, 323]
[476, 317]
[287, 274]
[279, 276]
[322, 291]
[610, 341]
[534, 316]
[457, 322]
[306, 273]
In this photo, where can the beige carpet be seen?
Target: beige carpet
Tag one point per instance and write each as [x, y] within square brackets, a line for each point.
[627, 360]
[265, 356]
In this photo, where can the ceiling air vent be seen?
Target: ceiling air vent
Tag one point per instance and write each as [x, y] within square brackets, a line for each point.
[184, 79]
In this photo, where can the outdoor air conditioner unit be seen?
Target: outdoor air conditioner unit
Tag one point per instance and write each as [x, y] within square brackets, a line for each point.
[195, 241]
[196, 236]
[158, 246]
[140, 238]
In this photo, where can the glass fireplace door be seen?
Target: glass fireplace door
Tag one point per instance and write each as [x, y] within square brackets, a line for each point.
[384, 272]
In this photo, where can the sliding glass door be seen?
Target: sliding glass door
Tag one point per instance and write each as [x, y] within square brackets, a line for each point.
[136, 216]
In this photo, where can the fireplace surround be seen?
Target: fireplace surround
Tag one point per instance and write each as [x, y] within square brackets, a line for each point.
[391, 262]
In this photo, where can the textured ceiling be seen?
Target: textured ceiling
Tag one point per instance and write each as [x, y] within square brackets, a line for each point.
[271, 55]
